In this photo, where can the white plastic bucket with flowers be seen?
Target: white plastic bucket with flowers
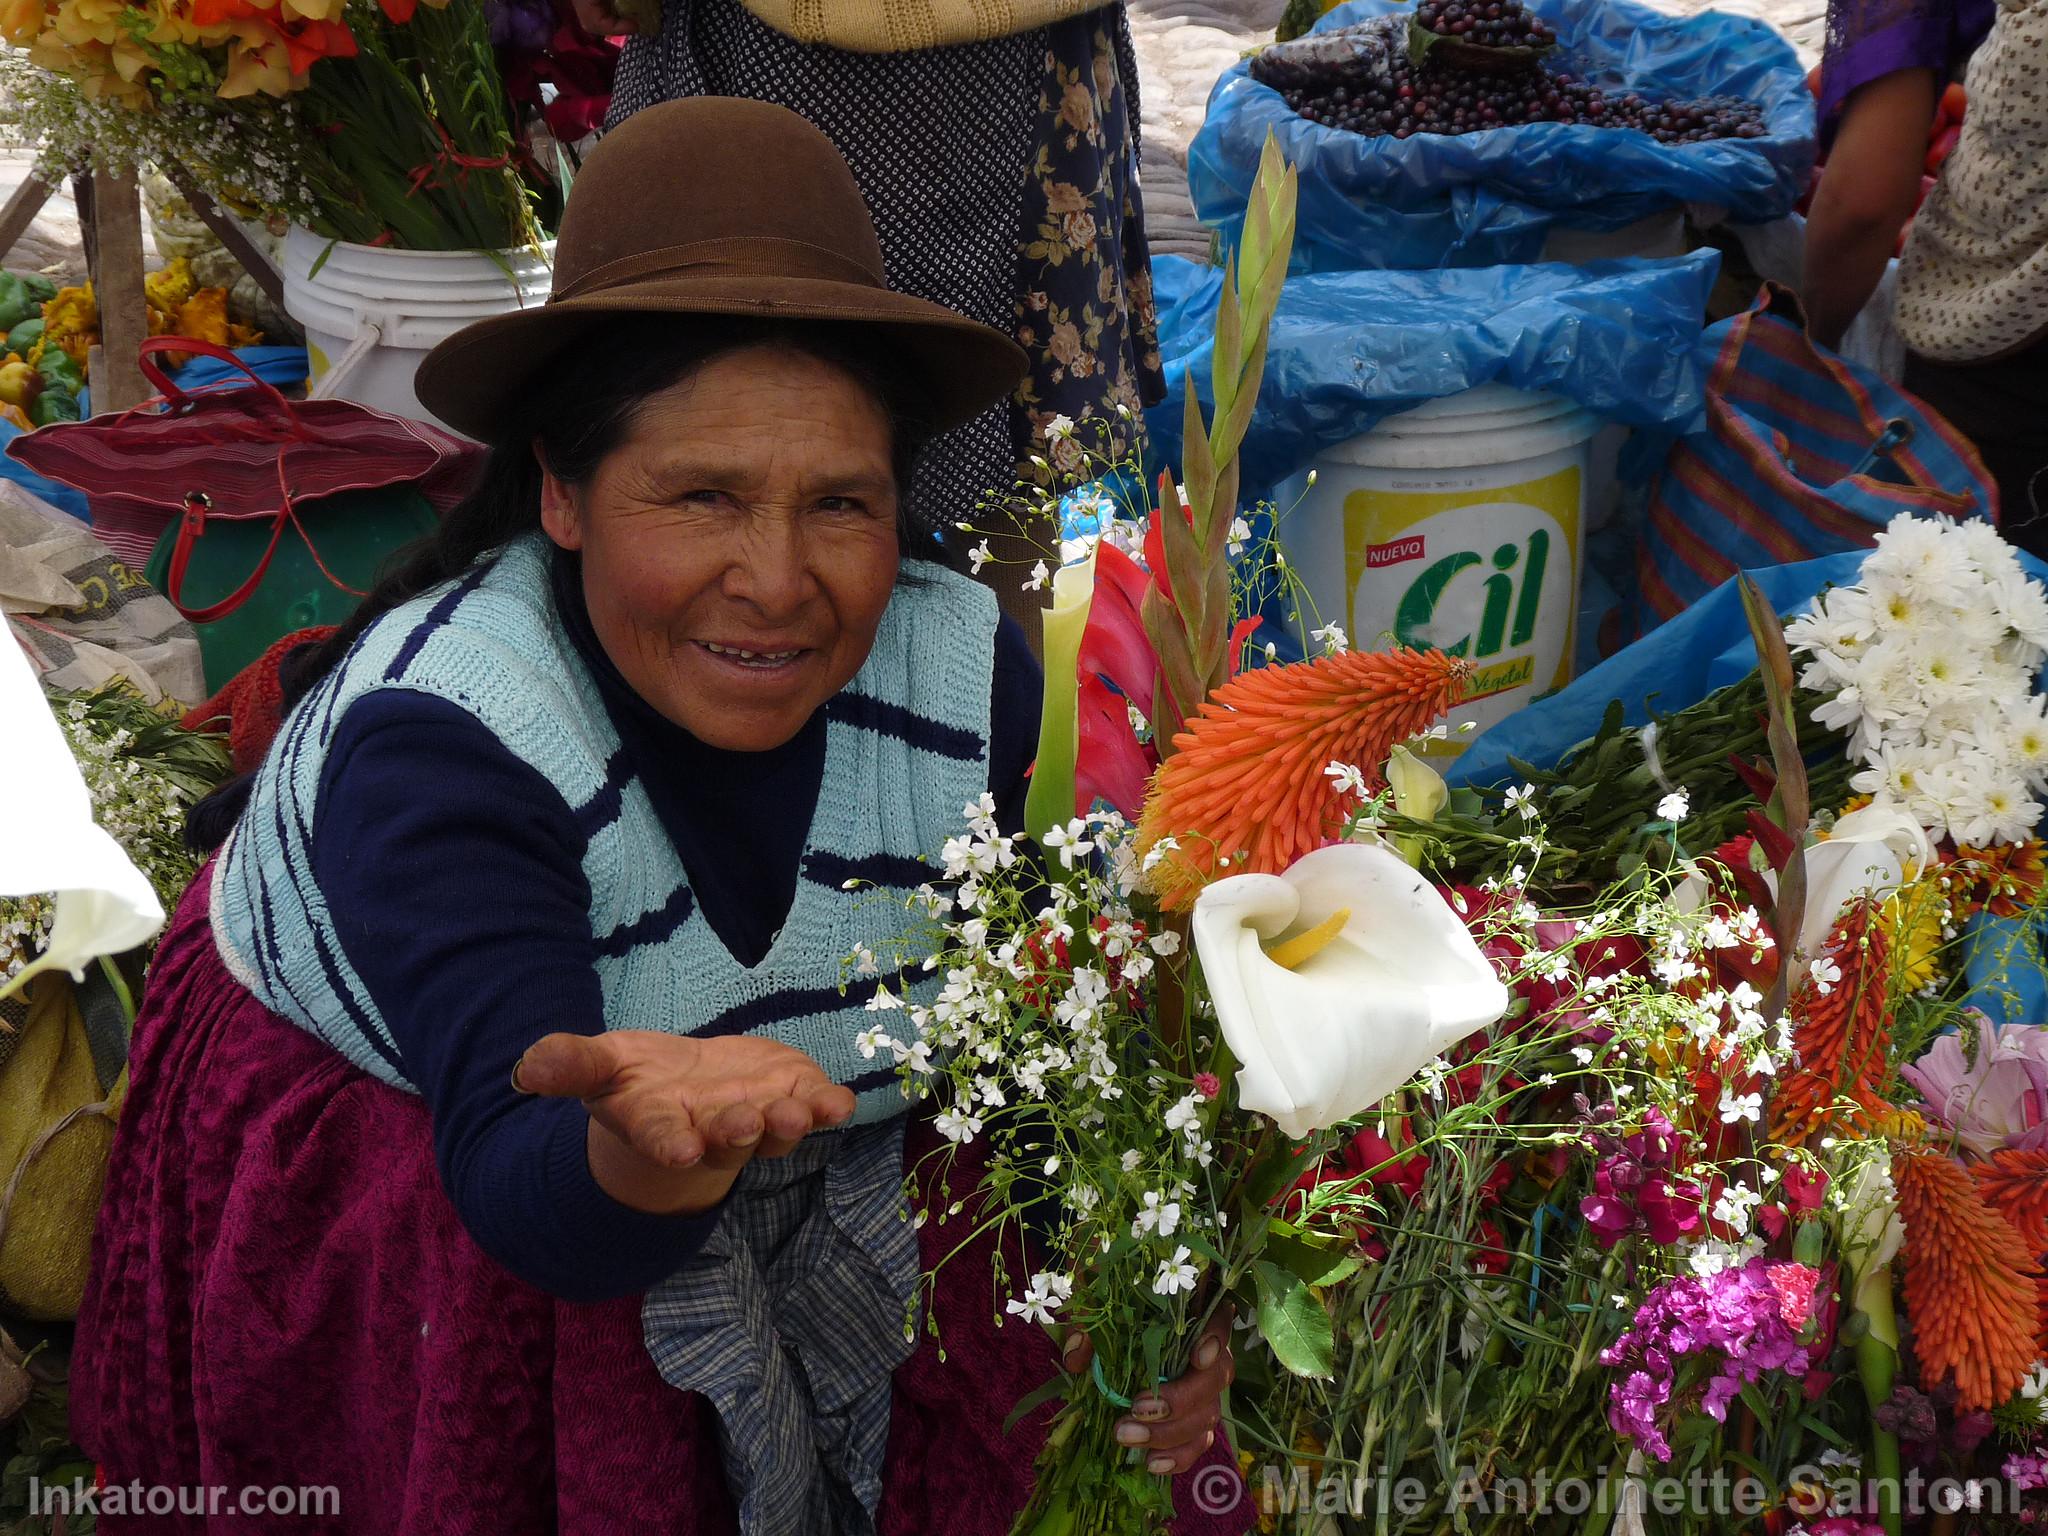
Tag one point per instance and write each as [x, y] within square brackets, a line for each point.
[371, 314]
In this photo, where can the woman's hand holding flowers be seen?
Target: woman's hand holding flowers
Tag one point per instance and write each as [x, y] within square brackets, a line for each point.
[1176, 1424]
[674, 1120]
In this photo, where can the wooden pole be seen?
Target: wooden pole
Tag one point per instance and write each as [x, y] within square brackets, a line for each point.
[117, 383]
[21, 210]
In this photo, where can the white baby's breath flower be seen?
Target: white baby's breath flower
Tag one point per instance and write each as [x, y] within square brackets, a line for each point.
[1522, 800]
[1175, 1274]
[958, 1126]
[1158, 1215]
[1826, 975]
[1346, 778]
[1738, 1107]
[1041, 573]
[1673, 807]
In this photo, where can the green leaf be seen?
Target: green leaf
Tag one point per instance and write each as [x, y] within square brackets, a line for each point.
[1313, 1263]
[1294, 1323]
[1044, 1393]
[1276, 1172]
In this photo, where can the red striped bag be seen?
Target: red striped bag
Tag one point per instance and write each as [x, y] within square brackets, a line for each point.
[242, 450]
[1803, 455]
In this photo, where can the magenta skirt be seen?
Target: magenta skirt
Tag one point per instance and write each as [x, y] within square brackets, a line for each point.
[283, 1297]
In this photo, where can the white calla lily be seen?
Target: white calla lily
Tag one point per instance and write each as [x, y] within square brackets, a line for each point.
[104, 904]
[1866, 853]
[1383, 979]
[1419, 794]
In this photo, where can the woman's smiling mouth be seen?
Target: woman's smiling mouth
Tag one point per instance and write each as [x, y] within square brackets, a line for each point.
[753, 661]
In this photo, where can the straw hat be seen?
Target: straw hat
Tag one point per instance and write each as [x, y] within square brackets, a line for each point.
[715, 206]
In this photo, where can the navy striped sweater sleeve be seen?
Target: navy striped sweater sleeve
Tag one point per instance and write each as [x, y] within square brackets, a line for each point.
[458, 892]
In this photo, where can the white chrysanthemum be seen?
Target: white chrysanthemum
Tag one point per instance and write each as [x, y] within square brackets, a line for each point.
[2025, 726]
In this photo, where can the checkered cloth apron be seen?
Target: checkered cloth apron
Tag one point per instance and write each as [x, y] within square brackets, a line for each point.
[791, 1320]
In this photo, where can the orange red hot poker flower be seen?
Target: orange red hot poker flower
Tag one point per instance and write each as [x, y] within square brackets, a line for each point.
[1247, 780]
[1970, 1282]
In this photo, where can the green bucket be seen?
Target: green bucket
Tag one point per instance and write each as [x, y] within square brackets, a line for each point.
[356, 532]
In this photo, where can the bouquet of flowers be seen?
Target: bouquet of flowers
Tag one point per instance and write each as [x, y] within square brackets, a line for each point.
[1557, 1144]
[382, 122]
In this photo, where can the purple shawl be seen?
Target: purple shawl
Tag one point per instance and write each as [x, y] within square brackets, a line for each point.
[1869, 39]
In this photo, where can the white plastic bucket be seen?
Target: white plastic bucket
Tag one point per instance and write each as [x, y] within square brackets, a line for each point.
[370, 314]
[1456, 524]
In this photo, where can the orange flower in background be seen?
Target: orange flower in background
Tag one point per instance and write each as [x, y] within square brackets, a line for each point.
[1972, 1290]
[21, 20]
[1842, 1035]
[1247, 780]
[2015, 1184]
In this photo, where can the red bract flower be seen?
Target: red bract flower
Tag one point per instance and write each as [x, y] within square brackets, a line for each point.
[1208, 1084]
[1804, 1187]
[1119, 667]
[1490, 1254]
[1370, 1155]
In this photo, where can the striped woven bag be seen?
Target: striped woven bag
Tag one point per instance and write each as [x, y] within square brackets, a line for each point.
[1803, 455]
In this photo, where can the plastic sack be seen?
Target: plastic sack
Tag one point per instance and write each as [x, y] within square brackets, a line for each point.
[1349, 349]
[1490, 198]
[52, 492]
[82, 614]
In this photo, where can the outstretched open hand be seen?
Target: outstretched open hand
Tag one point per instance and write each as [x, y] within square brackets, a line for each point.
[673, 1120]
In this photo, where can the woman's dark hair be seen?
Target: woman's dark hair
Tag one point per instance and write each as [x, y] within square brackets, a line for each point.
[577, 413]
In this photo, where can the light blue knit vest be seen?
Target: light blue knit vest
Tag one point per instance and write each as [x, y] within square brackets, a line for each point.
[906, 750]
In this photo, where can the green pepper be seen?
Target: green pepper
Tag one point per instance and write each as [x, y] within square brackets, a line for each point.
[22, 339]
[57, 369]
[16, 303]
[52, 406]
[41, 289]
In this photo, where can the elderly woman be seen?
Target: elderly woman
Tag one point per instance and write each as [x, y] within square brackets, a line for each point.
[497, 1154]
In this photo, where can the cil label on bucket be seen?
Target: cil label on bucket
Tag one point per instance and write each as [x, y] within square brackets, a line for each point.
[1487, 573]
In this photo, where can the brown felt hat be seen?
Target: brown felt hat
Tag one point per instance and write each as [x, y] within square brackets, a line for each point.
[715, 206]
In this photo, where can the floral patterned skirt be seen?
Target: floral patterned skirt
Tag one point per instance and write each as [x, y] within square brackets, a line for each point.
[1003, 180]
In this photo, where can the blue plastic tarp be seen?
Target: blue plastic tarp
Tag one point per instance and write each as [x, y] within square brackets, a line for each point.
[1349, 349]
[1488, 198]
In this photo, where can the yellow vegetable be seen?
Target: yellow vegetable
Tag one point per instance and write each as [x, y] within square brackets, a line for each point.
[204, 316]
[169, 289]
[18, 384]
[72, 321]
[14, 416]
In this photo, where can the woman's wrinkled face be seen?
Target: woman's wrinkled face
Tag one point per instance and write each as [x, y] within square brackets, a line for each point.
[740, 545]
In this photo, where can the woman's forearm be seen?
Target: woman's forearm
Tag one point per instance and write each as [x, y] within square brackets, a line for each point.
[1866, 196]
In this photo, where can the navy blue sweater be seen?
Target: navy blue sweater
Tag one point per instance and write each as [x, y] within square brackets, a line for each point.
[454, 873]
